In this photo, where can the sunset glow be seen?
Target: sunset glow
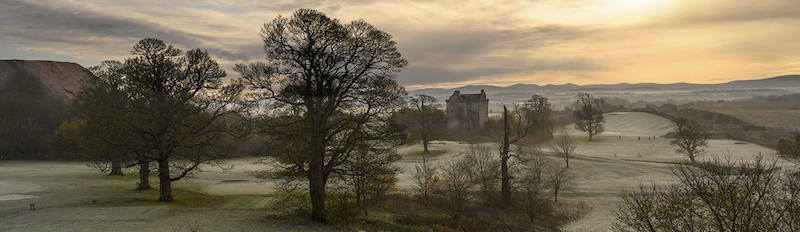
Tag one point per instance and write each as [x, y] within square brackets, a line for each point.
[449, 43]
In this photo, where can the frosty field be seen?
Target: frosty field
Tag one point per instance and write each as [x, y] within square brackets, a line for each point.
[74, 197]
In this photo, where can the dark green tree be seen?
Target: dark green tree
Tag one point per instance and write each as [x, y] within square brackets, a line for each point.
[327, 86]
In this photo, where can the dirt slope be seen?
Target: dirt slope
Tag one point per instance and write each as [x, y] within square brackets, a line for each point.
[61, 79]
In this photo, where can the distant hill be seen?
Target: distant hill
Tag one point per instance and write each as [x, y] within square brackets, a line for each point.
[60, 79]
[34, 100]
[522, 91]
[773, 82]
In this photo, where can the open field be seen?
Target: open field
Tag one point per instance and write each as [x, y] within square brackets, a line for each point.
[77, 198]
[610, 164]
[622, 157]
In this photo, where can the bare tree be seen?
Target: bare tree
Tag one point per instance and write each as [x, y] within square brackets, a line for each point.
[589, 115]
[484, 166]
[370, 174]
[724, 195]
[327, 85]
[560, 179]
[455, 187]
[533, 185]
[563, 146]
[535, 163]
[425, 121]
[528, 116]
[690, 137]
[425, 178]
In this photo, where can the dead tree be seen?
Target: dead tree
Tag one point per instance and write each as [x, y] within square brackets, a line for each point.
[528, 116]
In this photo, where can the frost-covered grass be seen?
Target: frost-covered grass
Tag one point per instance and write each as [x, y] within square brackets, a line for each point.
[77, 198]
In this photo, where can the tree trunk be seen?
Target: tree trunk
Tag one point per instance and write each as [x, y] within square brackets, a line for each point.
[424, 129]
[555, 194]
[144, 175]
[364, 201]
[506, 179]
[316, 170]
[165, 183]
[317, 192]
[116, 167]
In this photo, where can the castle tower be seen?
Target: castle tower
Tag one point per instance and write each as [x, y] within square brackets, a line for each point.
[466, 113]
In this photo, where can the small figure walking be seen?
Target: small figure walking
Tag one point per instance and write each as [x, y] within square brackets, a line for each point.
[639, 138]
[33, 206]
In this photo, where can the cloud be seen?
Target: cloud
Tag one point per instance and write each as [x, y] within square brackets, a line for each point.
[723, 11]
[66, 28]
[448, 42]
[452, 56]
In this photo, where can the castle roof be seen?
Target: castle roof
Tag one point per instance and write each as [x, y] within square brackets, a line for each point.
[468, 97]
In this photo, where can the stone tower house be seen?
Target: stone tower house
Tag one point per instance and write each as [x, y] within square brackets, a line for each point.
[466, 113]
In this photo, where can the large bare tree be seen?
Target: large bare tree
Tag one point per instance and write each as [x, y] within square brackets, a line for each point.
[328, 85]
[588, 114]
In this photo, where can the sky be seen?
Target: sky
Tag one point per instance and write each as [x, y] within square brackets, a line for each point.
[448, 43]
